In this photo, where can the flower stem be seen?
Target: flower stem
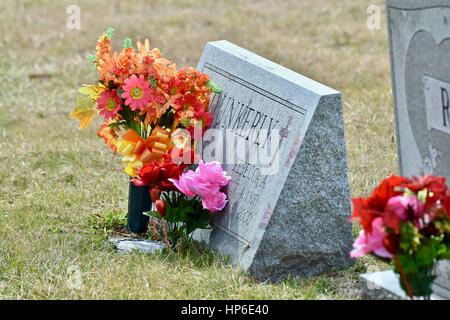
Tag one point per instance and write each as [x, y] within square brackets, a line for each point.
[165, 234]
[404, 278]
[155, 232]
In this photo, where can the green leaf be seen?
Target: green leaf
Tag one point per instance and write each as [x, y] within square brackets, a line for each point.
[410, 238]
[425, 256]
[442, 225]
[204, 220]
[92, 58]
[90, 90]
[422, 195]
[152, 214]
[85, 102]
[446, 253]
[407, 263]
[108, 33]
[129, 116]
[127, 43]
[214, 87]
[153, 82]
[117, 124]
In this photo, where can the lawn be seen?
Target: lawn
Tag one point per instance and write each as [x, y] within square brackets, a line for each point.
[60, 188]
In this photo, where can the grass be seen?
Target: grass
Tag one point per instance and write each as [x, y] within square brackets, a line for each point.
[54, 179]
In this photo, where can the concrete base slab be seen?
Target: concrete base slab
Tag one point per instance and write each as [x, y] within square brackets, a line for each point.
[127, 245]
[385, 285]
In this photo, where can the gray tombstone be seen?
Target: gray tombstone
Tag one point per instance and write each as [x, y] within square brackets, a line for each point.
[420, 56]
[287, 215]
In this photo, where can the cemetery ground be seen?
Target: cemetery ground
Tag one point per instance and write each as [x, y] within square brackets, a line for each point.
[61, 191]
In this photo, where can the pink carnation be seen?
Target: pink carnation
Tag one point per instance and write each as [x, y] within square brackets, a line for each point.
[205, 182]
[371, 242]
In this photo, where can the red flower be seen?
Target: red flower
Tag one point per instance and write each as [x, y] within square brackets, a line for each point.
[365, 210]
[391, 220]
[431, 183]
[435, 185]
[160, 207]
[149, 175]
[188, 102]
[205, 118]
[391, 242]
[170, 170]
[155, 194]
[157, 175]
[174, 86]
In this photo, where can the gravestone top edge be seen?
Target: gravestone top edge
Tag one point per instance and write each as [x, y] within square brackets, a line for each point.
[272, 67]
[416, 4]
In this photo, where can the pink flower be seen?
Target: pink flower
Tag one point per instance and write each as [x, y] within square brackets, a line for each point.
[190, 184]
[109, 103]
[406, 207]
[215, 201]
[205, 182]
[212, 171]
[136, 92]
[371, 242]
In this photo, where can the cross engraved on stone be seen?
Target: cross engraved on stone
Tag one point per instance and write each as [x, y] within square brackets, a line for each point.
[284, 132]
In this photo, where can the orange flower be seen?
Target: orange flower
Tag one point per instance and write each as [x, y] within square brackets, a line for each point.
[185, 109]
[127, 62]
[154, 111]
[194, 82]
[109, 135]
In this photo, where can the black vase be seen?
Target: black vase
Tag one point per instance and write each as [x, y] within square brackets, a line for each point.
[138, 202]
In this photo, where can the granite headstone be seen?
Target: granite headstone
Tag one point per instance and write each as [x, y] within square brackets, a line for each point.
[420, 57]
[287, 215]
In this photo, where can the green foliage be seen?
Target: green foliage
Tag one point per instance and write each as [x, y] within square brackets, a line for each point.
[108, 33]
[121, 123]
[417, 258]
[410, 238]
[214, 87]
[85, 102]
[127, 43]
[91, 58]
[183, 216]
[166, 120]
[129, 121]
[153, 82]
[419, 275]
[443, 226]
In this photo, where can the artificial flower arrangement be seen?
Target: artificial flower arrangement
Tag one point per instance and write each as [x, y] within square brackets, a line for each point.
[407, 221]
[150, 111]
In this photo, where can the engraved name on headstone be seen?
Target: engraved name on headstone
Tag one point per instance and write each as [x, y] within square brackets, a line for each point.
[289, 195]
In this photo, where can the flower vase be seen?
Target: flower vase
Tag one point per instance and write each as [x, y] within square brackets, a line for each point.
[419, 283]
[138, 202]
